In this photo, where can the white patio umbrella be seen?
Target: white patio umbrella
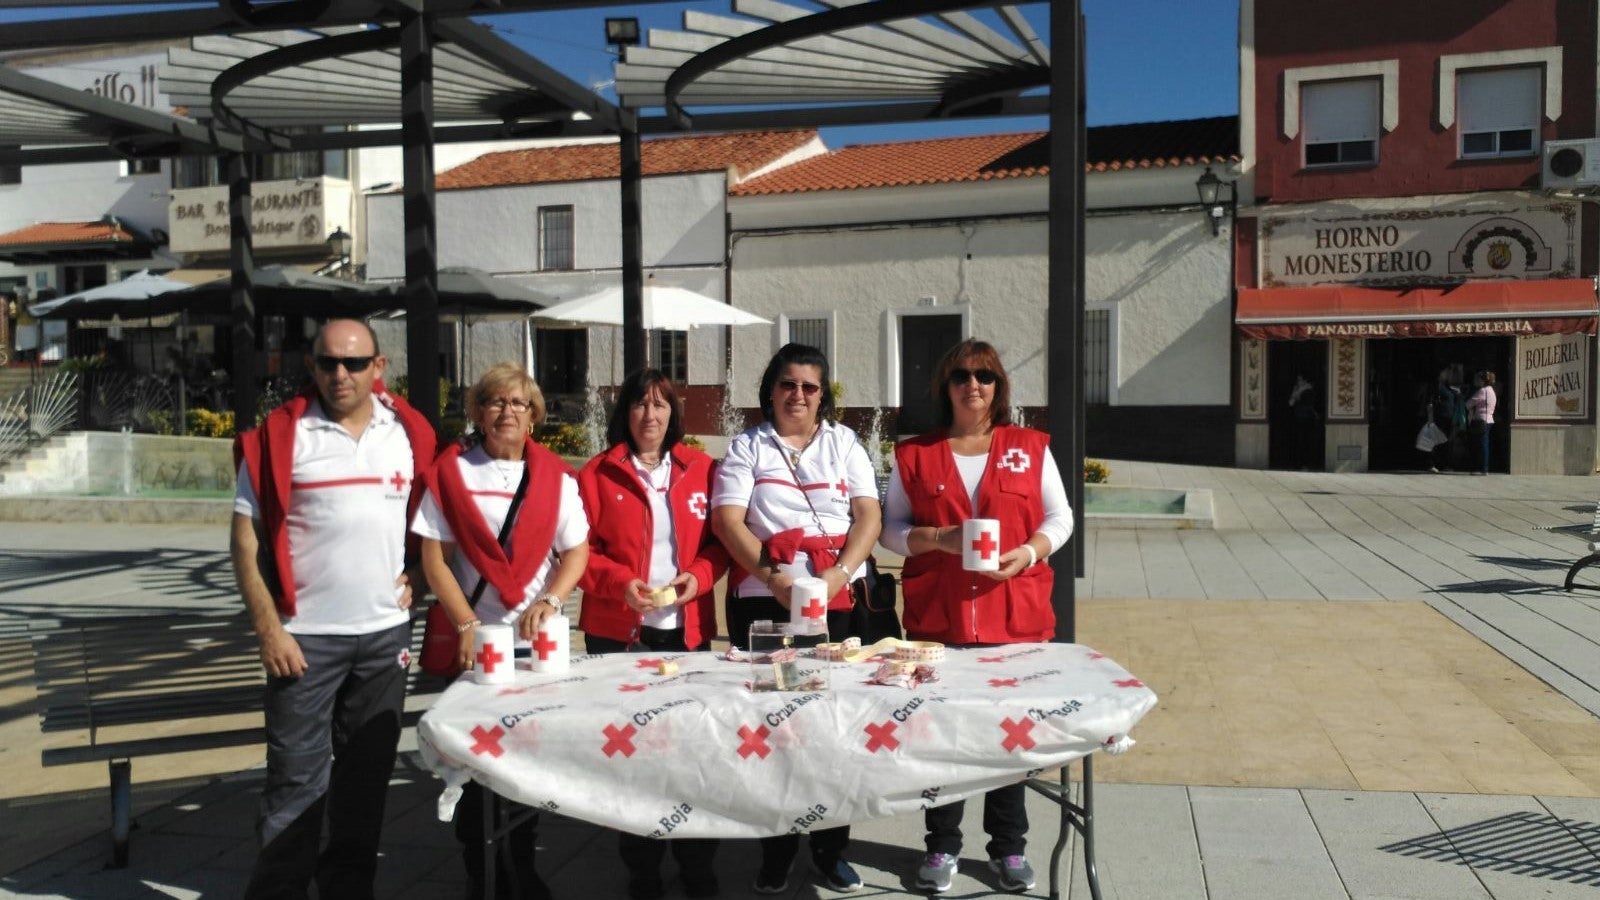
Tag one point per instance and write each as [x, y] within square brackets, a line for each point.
[665, 309]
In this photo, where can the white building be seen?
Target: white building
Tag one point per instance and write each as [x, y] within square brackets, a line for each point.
[549, 218]
[885, 255]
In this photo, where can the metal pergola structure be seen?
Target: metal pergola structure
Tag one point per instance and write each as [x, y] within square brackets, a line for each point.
[253, 68]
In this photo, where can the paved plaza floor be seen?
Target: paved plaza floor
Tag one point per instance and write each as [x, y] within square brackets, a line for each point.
[1372, 686]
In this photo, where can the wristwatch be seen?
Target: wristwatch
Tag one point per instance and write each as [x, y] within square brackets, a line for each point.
[553, 600]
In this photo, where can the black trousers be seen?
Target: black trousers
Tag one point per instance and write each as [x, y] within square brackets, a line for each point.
[641, 855]
[827, 844]
[1005, 820]
[515, 875]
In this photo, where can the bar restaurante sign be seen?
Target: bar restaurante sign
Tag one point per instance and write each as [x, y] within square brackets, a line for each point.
[1530, 237]
[283, 214]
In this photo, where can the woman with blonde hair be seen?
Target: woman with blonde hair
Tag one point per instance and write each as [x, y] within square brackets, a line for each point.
[521, 580]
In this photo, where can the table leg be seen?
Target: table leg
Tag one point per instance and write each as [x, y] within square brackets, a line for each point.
[491, 841]
[1073, 817]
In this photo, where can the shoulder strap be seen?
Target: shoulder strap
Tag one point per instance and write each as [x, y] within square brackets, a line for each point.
[505, 529]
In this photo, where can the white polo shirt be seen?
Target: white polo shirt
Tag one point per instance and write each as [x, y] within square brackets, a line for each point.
[663, 539]
[493, 483]
[832, 471]
[346, 521]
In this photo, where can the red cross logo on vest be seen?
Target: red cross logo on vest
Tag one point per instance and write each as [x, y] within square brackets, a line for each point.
[697, 505]
[986, 545]
[489, 657]
[399, 481]
[544, 645]
[814, 608]
[1015, 460]
[1016, 734]
[754, 741]
[881, 737]
[487, 740]
[1002, 682]
[618, 740]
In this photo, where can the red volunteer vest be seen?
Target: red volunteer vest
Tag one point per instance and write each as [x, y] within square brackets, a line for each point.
[267, 453]
[944, 602]
[621, 536]
[532, 535]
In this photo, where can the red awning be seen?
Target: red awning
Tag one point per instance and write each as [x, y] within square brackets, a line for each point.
[1554, 306]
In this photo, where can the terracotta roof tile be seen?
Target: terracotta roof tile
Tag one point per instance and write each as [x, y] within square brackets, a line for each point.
[987, 157]
[744, 151]
[66, 233]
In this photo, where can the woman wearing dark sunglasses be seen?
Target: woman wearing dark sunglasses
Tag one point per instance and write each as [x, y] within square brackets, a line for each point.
[795, 496]
[976, 465]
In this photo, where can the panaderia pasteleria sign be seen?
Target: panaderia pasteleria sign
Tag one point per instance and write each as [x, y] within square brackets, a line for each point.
[1420, 241]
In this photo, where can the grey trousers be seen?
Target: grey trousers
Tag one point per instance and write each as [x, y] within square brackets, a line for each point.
[331, 736]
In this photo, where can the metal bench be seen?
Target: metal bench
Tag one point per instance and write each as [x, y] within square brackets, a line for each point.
[1591, 533]
[128, 671]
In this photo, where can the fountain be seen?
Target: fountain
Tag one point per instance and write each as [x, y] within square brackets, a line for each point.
[594, 424]
[874, 443]
[1019, 417]
[730, 419]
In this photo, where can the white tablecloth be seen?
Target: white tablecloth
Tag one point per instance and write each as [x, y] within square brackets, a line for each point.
[697, 755]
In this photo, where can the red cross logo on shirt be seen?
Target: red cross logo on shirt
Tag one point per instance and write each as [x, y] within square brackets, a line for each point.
[487, 740]
[1016, 734]
[882, 737]
[754, 741]
[489, 657]
[630, 687]
[1128, 682]
[1002, 682]
[986, 545]
[618, 740]
[844, 489]
[814, 608]
[697, 505]
[544, 646]
[399, 481]
[1015, 460]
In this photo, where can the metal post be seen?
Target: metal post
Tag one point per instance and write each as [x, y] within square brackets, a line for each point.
[1064, 391]
[422, 264]
[245, 369]
[632, 248]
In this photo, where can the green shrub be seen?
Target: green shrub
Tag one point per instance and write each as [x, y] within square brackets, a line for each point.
[564, 439]
[203, 422]
[690, 440]
[1095, 471]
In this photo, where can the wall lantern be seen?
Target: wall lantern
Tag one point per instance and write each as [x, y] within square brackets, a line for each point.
[339, 243]
[1215, 196]
[622, 32]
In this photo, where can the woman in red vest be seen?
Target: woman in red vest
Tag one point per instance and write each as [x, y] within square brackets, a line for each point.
[652, 564]
[976, 465]
[470, 492]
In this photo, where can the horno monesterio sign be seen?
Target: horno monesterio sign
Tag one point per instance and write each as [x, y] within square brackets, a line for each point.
[1415, 242]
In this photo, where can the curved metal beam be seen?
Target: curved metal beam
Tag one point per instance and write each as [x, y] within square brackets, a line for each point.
[783, 33]
[282, 58]
[968, 93]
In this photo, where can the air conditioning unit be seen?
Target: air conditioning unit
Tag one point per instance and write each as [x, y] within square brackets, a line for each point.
[1570, 164]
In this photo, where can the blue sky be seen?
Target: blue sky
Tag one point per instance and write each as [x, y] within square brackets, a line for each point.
[1148, 60]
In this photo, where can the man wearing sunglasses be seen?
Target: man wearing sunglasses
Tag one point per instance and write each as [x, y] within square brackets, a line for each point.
[326, 486]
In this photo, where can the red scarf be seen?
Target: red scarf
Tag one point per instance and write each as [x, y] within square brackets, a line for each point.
[531, 535]
[822, 549]
[273, 444]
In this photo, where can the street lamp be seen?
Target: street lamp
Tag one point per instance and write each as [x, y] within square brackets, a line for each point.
[339, 242]
[1212, 199]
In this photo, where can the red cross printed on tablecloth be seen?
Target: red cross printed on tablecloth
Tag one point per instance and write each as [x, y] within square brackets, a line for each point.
[991, 659]
[647, 664]
[1016, 735]
[986, 545]
[882, 737]
[544, 645]
[506, 692]
[1128, 682]
[1097, 656]
[754, 741]
[630, 687]
[487, 740]
[1002, 682]
[814, 608]
[619, 740]
[489, 657]
[697, 505]
[399, 481]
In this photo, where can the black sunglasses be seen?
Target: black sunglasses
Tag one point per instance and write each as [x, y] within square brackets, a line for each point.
[807, 388]
[352, 364]
[984, 376]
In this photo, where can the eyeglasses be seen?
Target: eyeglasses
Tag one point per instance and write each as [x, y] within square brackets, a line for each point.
[789, 385]
[498, 404]
[984, 376]
[352, 364]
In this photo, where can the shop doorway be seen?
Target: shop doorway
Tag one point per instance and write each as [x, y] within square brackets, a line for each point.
[923, 340]
[1408, 376]
[1296, 435]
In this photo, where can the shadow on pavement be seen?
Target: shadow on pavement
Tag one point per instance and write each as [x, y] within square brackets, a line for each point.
[1537, 845]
